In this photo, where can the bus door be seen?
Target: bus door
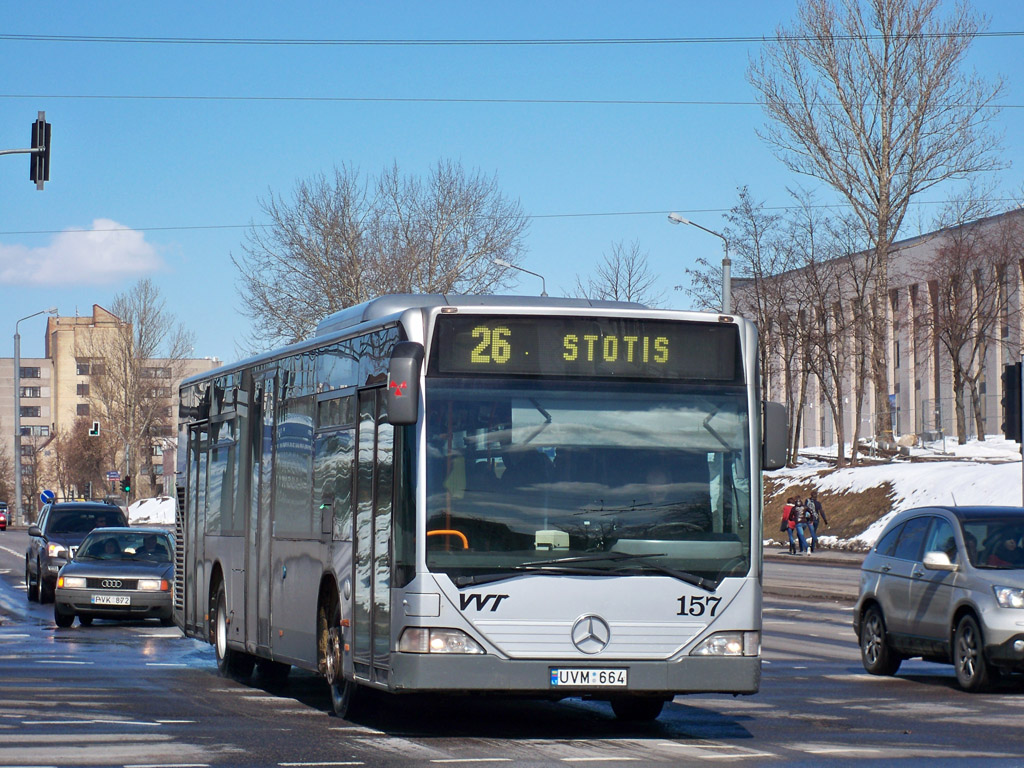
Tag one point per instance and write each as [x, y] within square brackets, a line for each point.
[195, 522]
[371, 611]
[257, 549]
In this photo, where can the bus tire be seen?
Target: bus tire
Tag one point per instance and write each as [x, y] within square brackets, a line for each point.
[344, 693]
[637, 708]
[230, 663]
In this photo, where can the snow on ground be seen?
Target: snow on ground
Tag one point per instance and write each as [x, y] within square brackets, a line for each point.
[979, 473]
[158, 510]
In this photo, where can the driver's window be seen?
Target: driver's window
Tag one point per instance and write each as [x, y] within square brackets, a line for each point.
[941, 539]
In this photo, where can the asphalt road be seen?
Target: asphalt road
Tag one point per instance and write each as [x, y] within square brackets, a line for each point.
[137, 694]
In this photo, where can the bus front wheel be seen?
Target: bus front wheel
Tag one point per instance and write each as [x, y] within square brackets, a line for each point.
[637, 708]
[344, 693]
[231, 663]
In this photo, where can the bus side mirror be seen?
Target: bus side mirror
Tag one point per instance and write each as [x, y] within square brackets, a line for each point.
[403, 398]
[774, 436]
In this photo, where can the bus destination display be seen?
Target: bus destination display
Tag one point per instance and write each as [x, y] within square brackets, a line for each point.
[586, 346]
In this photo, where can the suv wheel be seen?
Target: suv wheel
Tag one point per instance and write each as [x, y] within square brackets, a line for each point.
[31, 588]
[973, 672]
[875, 653]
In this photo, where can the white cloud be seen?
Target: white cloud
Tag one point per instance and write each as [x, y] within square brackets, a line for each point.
[107, 253]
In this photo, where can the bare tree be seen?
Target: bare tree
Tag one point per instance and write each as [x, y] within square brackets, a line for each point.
[967, 275]
[6, 471]
[345, 240]
[81, 458]
[873, 99]
[622, 275]
[140, 359]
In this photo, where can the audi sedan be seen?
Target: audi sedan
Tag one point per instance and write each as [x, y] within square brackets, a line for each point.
[117, 573]
[946, 584]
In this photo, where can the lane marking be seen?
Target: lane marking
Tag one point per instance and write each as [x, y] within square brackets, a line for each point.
[474, 760]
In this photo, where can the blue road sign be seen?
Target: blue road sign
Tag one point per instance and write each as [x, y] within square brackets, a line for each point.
[47, 497]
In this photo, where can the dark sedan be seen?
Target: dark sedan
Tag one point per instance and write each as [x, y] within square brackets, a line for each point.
[117, 573]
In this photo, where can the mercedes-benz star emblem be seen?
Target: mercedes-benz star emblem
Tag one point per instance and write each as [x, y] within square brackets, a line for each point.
[590, 634]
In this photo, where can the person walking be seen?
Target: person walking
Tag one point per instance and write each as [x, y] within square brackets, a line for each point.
[815, 517]
[788, 524]
[800, 517]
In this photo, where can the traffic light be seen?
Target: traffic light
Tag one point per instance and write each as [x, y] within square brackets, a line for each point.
[39, 162]
[126, 484]
[1011, 402]
[88, 490]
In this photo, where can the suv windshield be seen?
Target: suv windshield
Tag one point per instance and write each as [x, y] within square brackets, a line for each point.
[595, 478]
[996, 542]
[83, 520]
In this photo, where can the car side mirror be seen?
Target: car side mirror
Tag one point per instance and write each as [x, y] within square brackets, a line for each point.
[939, 561]
[33, 530]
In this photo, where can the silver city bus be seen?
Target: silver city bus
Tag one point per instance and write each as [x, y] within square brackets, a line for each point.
[509, 495]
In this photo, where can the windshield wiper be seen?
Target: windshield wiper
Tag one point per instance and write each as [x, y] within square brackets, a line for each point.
[708, 585]
[519, 570]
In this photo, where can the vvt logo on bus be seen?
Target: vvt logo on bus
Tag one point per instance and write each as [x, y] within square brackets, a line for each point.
[481, 601]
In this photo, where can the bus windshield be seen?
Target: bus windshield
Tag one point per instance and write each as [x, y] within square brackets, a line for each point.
[601, 477]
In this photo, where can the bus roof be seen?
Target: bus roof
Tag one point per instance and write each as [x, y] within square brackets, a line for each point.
[385, 306]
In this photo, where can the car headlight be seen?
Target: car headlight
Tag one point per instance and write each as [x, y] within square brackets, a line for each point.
[730, 644]
[1009, 597]
[434, 640]
[71, 582]
[154, 585]
[56, 550]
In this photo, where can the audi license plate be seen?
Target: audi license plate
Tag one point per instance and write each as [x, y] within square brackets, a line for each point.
[588, 678]
[111, 600]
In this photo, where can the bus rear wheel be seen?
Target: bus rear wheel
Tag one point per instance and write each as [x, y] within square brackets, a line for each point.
[637, 708]
[231, 663]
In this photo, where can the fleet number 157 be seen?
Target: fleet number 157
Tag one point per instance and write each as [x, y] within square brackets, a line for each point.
[696, 605]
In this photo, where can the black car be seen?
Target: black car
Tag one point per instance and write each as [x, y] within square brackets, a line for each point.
[117, 573]
[54, 539]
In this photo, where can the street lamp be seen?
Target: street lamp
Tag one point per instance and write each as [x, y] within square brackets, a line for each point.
[19, 514]
[510, 265]
[675, 218]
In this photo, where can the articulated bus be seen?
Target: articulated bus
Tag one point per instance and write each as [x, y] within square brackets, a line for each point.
[489, 495]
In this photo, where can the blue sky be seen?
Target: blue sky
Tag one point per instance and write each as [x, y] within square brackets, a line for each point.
[185, 176]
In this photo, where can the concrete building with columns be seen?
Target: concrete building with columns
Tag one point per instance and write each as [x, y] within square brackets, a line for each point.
[920, 370]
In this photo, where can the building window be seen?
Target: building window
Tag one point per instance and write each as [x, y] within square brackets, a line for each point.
[896, 354]
[30, 411]
[82, 390]
[82, 409]
[30, 391]
[28, 450]
[35, 431]
[156, 373]
[157, 450]
[83, 367]
[28, 373]
[98, 369]
[163, 392]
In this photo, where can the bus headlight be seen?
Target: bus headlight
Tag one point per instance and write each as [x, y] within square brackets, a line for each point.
[435, 640]
[730, 644]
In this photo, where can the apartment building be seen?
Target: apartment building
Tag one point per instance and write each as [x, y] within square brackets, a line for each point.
[62, 387]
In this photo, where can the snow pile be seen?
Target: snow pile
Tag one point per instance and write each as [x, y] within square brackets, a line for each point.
[978, 473]
[158, 510]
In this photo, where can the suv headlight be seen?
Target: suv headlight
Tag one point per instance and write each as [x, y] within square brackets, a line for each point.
[730, 644]
[56, 550]
[1009, 597]
[437, 640]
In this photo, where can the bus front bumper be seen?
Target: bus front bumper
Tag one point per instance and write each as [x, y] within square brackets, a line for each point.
[490, 674]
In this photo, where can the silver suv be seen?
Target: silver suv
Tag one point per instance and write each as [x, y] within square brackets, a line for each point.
[945, 584]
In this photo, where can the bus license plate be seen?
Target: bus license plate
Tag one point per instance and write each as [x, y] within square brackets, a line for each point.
[111, 600]
[588, 678]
